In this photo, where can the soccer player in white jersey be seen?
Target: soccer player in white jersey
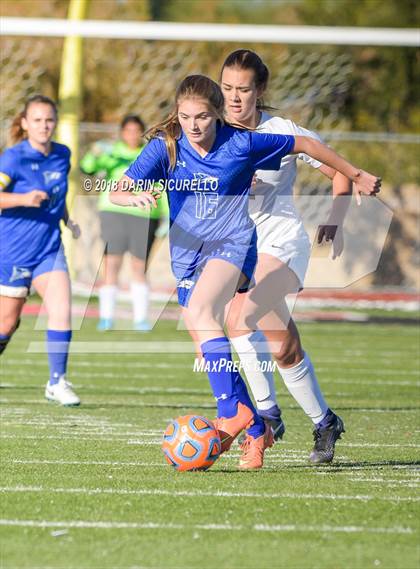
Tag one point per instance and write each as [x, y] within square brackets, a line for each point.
[283, 256]
[33, 188]
[207, 168]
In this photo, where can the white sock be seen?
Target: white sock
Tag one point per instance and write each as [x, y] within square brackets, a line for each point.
[303, 385]
[140, 299]
[255, 357]
[107, 299]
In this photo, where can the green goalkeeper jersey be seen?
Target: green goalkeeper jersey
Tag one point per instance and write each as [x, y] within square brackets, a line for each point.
[111, 160]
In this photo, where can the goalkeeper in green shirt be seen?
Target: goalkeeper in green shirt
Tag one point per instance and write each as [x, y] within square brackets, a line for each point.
[124, 229]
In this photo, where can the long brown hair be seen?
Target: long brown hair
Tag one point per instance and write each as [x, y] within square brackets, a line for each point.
[247, 59]
[17, 134]
[192, 87]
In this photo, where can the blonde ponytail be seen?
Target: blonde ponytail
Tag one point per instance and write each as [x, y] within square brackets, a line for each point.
[17, 134]
[168, 129]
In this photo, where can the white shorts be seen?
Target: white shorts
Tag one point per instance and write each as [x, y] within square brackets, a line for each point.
[285, 239]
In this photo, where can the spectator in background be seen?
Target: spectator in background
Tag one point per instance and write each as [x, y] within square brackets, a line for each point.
[123, 229]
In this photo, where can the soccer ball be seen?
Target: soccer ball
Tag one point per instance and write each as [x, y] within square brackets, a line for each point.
[191, 443]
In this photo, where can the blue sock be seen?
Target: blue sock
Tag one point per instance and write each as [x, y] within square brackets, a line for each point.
[327, 421]
[258, 427]
[228, 386]
[4, 340]
[216, 353]
[58, 342]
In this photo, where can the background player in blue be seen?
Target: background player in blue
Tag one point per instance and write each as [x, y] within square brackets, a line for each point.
[207, 168]
[33, 181]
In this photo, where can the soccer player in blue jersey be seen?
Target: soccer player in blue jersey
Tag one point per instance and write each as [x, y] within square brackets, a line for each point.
[33, 184]
[207, 167]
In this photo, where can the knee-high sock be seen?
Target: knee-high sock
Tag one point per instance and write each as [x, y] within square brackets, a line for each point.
[4, 340]
[58, 342]
[227, 385]
[302, 383]
[107, 299]
[140, 300]
[255, 357]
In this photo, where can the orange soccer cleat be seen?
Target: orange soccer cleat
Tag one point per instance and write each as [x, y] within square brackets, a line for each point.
[253, 450]
[229, 428]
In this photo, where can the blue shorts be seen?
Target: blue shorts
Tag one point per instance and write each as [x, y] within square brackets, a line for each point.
[245, 260]
[15, 280]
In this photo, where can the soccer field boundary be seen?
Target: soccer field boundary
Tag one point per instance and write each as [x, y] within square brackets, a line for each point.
[355, 470]
[79, 524]
[118, 437]
[205, 494]
[145, 365]
[132, 365]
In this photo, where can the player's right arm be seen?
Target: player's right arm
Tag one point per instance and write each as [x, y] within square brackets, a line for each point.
[8, 198]
[149, 167]
[29, 199]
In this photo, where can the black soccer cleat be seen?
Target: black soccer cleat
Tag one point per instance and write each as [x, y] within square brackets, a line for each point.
[325, 439]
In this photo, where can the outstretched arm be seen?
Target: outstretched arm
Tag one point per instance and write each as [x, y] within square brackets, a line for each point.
[364, 183]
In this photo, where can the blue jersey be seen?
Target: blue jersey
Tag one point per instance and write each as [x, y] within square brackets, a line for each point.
[29, 234]
[208, 196]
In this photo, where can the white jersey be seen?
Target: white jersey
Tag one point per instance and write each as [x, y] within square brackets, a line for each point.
[280, 229]
[271, 184]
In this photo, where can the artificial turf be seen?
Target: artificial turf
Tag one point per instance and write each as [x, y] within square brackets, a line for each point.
[88, 487]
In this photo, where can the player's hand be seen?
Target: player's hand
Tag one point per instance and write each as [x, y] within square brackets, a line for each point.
[34, 198]
[334, 234]
[143, 200]
[366, 184]
[74, 228]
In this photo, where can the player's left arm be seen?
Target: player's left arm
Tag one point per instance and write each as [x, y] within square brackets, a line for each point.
[364, 182]
[332, 230]
[70, 224]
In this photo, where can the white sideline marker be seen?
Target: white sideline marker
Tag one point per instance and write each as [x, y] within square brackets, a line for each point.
[204, 494]
[207, 527]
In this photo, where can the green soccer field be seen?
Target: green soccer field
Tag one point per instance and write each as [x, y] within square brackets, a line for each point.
[89, 488]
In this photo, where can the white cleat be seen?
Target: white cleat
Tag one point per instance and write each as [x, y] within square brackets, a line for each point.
[62, 393]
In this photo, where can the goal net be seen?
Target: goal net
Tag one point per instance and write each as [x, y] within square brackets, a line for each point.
[315, 85]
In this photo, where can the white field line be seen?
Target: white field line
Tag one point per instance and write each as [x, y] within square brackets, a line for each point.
[96, 437]
[414, 475]
[407, 483]
[270, 461]
[12, 412]
[206, 527]
[83, 462]
[351, 476]
[410, 477]
[82, 429]
[343, 371]
[111, 376]
[160, 365]
[103, 375]
[122, 436]
[203, 494]
[134, 390]
[75, 363]
[100, 401]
